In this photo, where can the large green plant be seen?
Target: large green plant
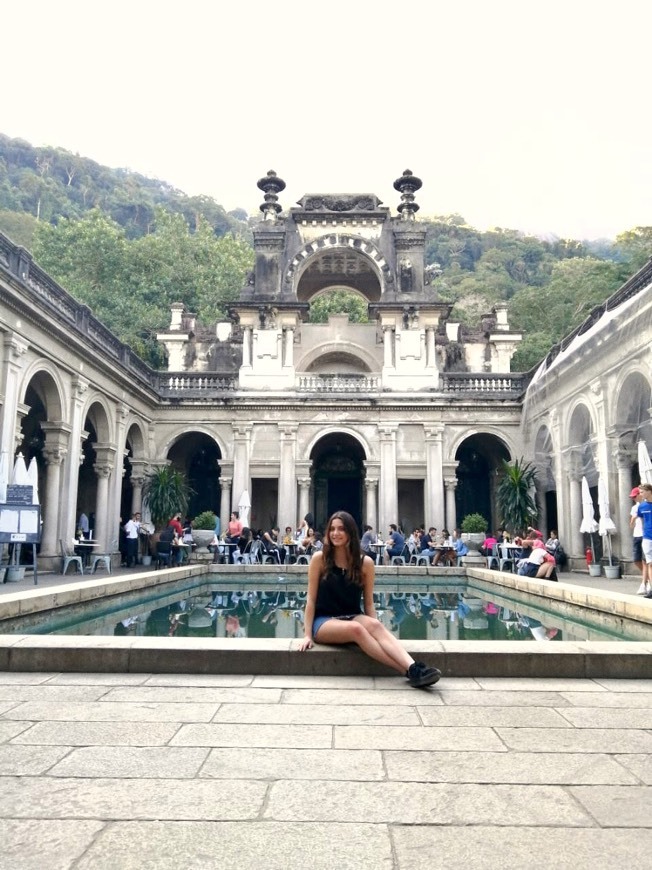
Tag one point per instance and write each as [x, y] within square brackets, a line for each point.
[166, 492]
[474, 524]
[514, 494]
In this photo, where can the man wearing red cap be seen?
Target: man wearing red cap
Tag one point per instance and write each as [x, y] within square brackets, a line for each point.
[636, 525]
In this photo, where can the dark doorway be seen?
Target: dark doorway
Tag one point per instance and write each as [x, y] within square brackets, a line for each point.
[479, 458]
[338, 473]
[198, 456]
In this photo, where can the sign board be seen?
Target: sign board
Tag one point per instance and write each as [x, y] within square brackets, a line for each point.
[20, 523]
[17, 494]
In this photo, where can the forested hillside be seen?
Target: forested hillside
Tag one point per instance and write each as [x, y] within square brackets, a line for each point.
[129, 246]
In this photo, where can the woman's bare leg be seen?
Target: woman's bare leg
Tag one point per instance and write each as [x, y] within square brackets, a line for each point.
[378, 644]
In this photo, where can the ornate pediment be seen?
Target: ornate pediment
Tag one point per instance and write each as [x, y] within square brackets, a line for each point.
[339, 202]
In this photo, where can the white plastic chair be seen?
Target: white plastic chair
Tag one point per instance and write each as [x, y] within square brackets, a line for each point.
[400, 560]
[104, 558]
[417, 557]
[493, 560]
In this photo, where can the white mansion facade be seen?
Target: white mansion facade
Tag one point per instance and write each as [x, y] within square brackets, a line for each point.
[404, 419]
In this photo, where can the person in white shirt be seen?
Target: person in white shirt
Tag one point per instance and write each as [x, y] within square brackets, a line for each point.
[132, 530]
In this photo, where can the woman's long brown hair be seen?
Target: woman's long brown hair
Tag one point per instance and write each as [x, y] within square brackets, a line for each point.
[354, 554]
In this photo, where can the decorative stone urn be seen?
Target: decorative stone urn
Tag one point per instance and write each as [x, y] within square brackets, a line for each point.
[202, 537]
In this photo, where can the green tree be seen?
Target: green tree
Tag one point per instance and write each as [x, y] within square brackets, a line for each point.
[339, 302]
[635, 247]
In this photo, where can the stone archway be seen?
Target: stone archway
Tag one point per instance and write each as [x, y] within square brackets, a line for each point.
[478, 457]
[338, 472]
[198, 456]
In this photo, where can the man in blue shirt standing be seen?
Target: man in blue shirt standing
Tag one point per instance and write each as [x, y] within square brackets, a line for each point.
[645, 513]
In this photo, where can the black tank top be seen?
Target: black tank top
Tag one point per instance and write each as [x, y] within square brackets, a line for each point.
[337, 596]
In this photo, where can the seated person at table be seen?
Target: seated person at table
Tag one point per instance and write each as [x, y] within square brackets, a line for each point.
[394, 544]
[270, 541]
[427, 543]
[487, 546]
[244, 542]
[305, 546]
[169, 535]
[367, 540]
[460, 547]
[554, 547]
[288, 537]
[448, 553]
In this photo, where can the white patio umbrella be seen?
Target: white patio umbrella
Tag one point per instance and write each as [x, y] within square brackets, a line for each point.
[19, 474]
[32, 474]
[588, 523]
[606, 526]
[644, 463]
[244, 506]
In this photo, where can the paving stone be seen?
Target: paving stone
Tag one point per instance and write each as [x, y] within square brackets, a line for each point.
[29, 760]
[418, 803]
[624, 685]
[318, 714]
[8, 730]
[609, 699]
[548, 768]
[524, 698]
[98, 679]
[540, 684]
[23, 678]
[105, 711]
[96, 734]
[576, 740]
[639, 765]
[448, 684]
[275, 764]
[409, 697]
[52, 694]
[273, 736]
[209, 680]
[74, 798]
[592, 717]
[369, 737]
[617, 807]
[517, 717]
[153, 762]
[245, 846]
[182, 694]
[290, 681]
[479, 848]
[45, 844]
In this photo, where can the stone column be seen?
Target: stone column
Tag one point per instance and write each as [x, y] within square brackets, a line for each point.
[388, 488]
[434, 494]
[241, 448]
[289, 351]
[57, 436]
[225, 502]
[370, 503]
[287, 484]
[575, 501]
[54, 457]
[388, 337]
[104, 465]
[246, 347]
[138, 475]
[14, 349]
[75, 457]
[622, 514]
[451, 515]
[304, 498]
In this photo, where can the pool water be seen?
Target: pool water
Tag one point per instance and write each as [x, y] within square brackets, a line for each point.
[234, 609]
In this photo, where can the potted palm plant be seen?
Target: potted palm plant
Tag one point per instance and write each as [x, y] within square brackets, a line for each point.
[514, 494]
[165, 492]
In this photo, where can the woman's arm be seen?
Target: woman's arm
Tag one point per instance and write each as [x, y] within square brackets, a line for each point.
[314, 572]
[368, 579]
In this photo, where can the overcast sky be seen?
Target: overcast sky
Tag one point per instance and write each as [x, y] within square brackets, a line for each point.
[532, 116]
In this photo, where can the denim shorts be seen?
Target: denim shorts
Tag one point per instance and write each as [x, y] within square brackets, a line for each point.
[320, 620]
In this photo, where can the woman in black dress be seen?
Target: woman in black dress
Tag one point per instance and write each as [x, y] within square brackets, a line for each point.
[338, 577]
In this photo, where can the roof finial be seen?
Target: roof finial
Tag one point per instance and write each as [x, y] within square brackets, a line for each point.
[271, 185]
[408, 184]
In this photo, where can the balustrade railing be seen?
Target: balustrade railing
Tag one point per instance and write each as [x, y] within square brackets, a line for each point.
[338, 383]
[487, 384]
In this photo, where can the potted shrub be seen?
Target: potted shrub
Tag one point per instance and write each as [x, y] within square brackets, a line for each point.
[203, 529]
[474, 529]
[165, 492]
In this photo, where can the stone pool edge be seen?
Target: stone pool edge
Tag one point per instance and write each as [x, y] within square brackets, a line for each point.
[90, 654]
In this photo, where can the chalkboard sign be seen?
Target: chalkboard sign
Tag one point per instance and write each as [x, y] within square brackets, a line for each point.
[20, 524]
[17, 494]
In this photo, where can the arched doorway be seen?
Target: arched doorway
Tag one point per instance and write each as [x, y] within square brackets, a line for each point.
[198, 456]
[478, 457]
[338, 472]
